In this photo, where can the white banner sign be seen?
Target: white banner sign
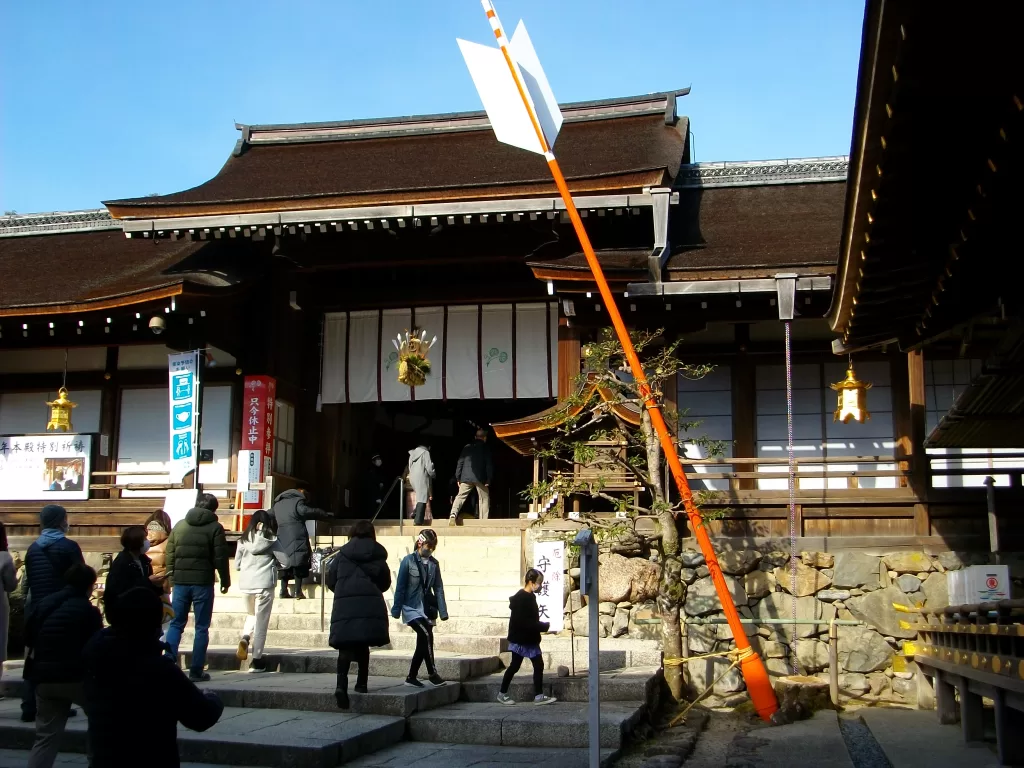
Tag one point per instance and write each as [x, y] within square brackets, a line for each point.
[44, 467]
[183, 372]
[248, 474]
[549, 559]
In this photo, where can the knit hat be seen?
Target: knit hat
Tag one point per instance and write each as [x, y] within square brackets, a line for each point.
[52, 516]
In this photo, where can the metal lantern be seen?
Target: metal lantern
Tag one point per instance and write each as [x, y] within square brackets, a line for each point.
[853, 399]
[60, 412]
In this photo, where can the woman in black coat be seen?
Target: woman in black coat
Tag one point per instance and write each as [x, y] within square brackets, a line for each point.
[292, 510]
[131, 568]
[358, 576]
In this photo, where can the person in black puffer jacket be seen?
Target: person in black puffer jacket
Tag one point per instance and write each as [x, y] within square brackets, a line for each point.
[293, 509]
[135, 695]
[130, 569]
[58, 631]
[358, 576]
[48, 558]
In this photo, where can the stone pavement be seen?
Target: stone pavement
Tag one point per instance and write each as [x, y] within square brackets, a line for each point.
[913, 738]
[18, 758]
[458, 755]
[805, 744]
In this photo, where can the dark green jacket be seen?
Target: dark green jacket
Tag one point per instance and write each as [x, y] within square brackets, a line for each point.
[195, 548]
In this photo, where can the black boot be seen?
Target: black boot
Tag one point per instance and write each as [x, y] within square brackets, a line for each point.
[284, 590]
[298, 591]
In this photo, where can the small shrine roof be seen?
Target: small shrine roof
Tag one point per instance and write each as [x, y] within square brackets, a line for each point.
[523, 435]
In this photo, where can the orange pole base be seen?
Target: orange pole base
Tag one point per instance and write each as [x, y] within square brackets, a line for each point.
[759, 686]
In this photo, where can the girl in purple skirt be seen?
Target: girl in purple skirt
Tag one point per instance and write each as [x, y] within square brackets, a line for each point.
[524, 631]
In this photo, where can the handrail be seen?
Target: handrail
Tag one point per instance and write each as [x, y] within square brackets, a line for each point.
[387, 496]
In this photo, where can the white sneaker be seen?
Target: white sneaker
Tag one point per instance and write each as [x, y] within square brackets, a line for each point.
[504, 698]
[544, 699]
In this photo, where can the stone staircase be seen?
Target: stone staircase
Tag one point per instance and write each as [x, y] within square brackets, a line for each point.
[289, 717]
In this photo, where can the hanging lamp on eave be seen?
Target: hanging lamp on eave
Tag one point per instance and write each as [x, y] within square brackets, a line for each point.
[852, 402]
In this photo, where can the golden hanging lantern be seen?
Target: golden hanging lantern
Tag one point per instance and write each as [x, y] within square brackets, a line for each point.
[60, 412]
[413, 363]
[853, 399]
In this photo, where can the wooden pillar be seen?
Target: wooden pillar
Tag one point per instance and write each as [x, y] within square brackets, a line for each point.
[109, 420]
[908, 392]
[568, 358]
[744, 407]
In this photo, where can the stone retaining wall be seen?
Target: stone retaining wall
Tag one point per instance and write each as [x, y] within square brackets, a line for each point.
[849, 585]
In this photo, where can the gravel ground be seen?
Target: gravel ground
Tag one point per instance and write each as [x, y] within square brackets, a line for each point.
[864, 750]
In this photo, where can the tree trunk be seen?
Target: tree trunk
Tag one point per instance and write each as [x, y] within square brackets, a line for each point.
[670, 585]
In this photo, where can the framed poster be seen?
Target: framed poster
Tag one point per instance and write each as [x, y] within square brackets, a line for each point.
[46, 467]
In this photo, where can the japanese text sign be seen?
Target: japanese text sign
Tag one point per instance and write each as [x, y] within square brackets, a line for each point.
[549, 559]
[257, 451]
[183, 382]
[44, 467]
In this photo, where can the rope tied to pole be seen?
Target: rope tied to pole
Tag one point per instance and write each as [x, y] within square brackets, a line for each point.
[736, 655]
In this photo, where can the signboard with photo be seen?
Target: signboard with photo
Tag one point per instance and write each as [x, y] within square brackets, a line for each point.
[45, 467]
[549, 559]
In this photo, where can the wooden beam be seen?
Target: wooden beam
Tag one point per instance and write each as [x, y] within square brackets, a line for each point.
[744, 405]
[920, 476]
[569, 358]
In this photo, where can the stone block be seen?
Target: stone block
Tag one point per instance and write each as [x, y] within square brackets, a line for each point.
[908, 562]
[779, 605]
[688, 576]
[701, 638]
[808, 580]
[863, 650]
[702, 597]
[737, 562]
[876, 609]
[951, 561]
[691, 558]
[769, 649]
[620, 626]
[575, 602]
[703, 572]
[818, 559]
[581, 622]
[812, 655]
[854, 569]
[774, 560]
[607, 622]
[853, 683]
[834, 595]
[757, 584]
[936, 591]
[607, 609]
[908, 583]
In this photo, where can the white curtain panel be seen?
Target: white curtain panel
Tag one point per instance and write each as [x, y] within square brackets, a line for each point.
[394, 323]
[431, 320]
[497, 354]
[532, 350]
[463, 371]
[362, 356]
[332, 382]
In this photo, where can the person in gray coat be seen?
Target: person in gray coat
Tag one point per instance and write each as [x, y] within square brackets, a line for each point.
[421, 478]
[474, 471]
[255, 561]
[292, 509]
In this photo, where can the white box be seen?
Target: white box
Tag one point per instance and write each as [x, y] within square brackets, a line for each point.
[978, 584]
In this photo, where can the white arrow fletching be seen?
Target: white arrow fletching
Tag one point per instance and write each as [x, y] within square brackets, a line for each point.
[548, 114]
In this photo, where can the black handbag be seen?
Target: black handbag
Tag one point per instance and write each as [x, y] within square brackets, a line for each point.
[429, 598]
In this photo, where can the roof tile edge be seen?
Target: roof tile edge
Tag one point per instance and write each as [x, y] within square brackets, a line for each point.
[763, 172]
[19, 225]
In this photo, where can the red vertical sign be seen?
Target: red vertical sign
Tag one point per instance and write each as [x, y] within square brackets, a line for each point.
[258, 433]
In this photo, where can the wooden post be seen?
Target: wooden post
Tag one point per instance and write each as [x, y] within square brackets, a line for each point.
[945, 700]
[833, 662]
[993, 519]
[568, 359]
[920, 473]
[744, 408]
[972, 720]
[109, 420]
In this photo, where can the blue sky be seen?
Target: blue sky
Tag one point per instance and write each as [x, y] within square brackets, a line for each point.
[118, 99]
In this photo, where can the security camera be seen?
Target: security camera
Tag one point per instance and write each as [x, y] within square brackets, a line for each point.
[157, 325]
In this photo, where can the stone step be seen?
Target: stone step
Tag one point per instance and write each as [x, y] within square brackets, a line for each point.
[18, 758]
[247, 736]
[426, 755]
[637, 684]
[461, 608]
[617, 653]
[311, 621]
[310, 639]
[558, 725]
[383, 663]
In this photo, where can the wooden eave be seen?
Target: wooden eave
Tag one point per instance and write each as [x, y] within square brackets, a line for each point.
[516, 434]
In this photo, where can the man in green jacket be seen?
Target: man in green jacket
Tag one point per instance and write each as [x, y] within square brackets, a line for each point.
[196, 547]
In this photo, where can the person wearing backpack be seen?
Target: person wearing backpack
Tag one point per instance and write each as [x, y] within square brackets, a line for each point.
[419, 601]
[47, 560]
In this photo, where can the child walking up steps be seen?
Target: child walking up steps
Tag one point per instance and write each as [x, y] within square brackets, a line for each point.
[419, 600]
[524, 631]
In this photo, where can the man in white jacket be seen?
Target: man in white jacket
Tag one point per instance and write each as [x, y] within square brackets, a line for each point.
[256, 563]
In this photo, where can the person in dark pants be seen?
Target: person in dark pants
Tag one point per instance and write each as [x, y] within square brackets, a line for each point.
[135, 695]
[474, 471]
[292, 509]
[196, 548]
[358, 576]
[375, 485]
[130, 569]
[419, 601]
[59, 629]
[421, 478]
[524, 631]
[46, 562]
